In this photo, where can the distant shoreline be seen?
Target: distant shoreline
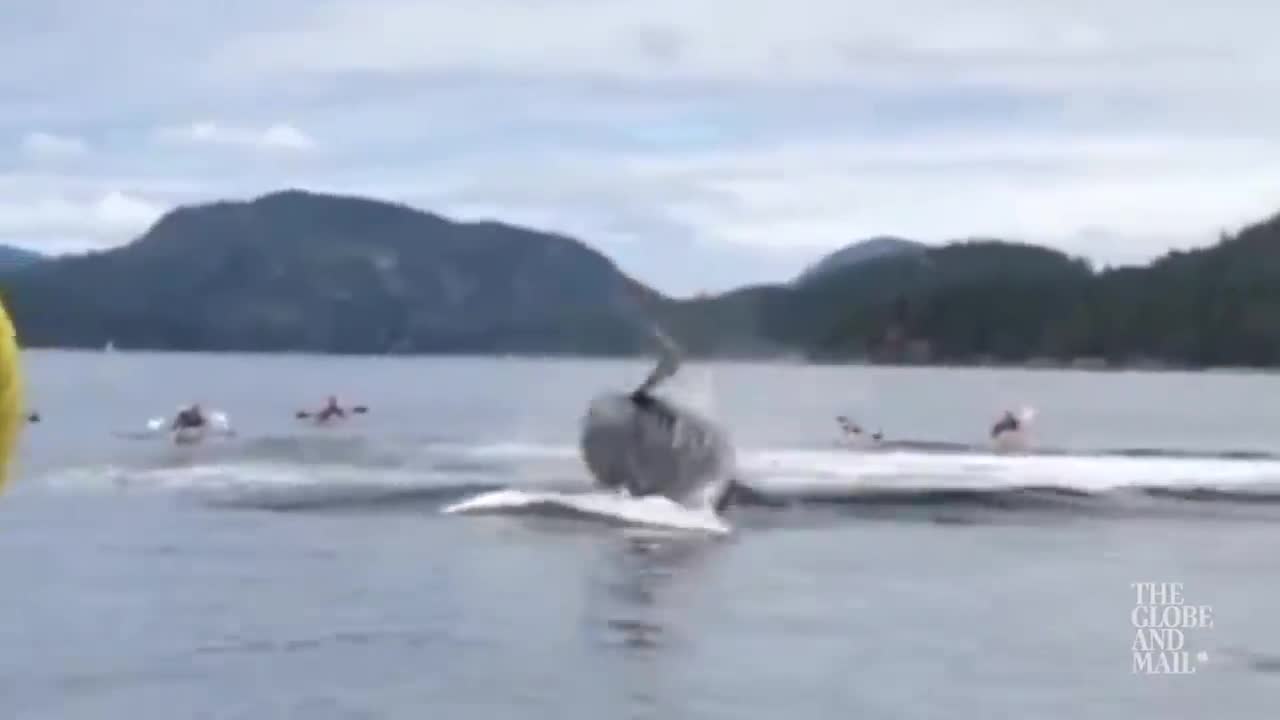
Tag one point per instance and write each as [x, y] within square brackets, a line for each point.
[788, 360]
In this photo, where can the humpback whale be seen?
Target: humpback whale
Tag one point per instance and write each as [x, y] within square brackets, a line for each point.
[650, 445]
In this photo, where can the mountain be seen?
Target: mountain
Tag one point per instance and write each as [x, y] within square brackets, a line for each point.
[831, 314]
[1216, 306]
[967, 300]
[14, 258]
[859, 252]
[300, 271]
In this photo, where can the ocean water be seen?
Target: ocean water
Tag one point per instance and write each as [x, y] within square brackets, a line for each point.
[442, 556]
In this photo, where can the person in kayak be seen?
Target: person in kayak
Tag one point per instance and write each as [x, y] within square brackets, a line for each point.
[331, 410]
[192, 417]
[853, 429]
[1008, 423]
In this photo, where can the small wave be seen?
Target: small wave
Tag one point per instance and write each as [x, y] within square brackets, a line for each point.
[413, 637]
[1247, 496]
[288, 487]
[364, 497]
[997, 498]
[508, 450]
[755, 509]
[1192, 455]
[954, 448]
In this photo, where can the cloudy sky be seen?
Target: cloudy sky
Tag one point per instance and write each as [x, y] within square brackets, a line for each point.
[701, 143]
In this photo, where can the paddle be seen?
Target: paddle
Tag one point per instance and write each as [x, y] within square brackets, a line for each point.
[848, 427]
[305, 414]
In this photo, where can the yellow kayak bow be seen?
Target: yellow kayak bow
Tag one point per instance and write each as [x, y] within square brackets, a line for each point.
[11, 416]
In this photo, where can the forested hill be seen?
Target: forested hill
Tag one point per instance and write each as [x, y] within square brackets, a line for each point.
[991, 302]
[13, 258]
[309, 272]
[860, 252]
[301, 271]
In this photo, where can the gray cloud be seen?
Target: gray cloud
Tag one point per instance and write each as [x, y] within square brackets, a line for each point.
[279, 136]
[41, 144]
[701, 144]
[662, 44]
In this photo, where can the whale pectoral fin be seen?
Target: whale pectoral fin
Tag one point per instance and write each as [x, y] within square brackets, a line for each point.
[669, 359]
[727, 497]
[739, 493]
[731, 493]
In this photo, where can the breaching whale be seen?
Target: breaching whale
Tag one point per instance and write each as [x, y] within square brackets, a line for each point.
[650, 445]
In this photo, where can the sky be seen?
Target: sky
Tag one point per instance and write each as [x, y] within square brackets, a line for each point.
[702, 144]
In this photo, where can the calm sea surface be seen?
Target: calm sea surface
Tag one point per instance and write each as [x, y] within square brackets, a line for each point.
[304, 572]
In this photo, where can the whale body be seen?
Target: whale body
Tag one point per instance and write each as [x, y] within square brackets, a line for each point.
[657, 448]
[651, 445]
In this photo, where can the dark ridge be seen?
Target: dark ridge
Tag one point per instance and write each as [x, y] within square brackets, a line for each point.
[302, 271]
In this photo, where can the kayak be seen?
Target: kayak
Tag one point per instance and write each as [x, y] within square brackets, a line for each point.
[11, 416]
[189, 436]
[217, 424]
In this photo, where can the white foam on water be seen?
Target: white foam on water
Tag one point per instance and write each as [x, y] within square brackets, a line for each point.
[515, 451]
[87, 477]
[649, 511]
[695, 388]
[246, 476]
[800, 470]
[528, 470]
